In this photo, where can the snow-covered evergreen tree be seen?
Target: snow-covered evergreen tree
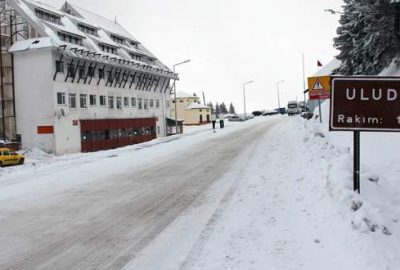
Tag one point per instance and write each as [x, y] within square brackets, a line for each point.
[217, 109]
[231, 108]
[223, 108]
[366, 38]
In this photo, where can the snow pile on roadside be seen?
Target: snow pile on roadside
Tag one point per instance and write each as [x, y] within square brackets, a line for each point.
[376, 212]
[291, 206]
[295, 209]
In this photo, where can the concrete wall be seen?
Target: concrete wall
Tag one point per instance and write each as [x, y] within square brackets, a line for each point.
[34, 98]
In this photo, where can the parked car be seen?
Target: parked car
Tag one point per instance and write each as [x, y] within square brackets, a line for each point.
[257, 113]
[303, 106]
[268, 113]
[281, 110]
[307, 115]
[293, 108]
[10, 157]
[236, 118]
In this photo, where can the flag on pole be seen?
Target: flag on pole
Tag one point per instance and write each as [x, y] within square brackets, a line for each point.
[319, 64]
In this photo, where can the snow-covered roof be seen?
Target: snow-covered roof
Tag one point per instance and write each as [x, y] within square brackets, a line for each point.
[329, 68]
[184, 95]
[194, 106]
[46, 7]
[72, 15]
[100, 21]
[38, 43]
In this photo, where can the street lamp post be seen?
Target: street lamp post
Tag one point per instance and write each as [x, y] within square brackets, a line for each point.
[277, 89]
[244, 97]
[176, 112]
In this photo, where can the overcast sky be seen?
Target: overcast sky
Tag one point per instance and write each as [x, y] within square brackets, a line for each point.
[231, 41]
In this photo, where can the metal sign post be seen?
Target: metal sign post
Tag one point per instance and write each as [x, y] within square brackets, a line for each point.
[364, 104]
[319, 88]
[357, 161]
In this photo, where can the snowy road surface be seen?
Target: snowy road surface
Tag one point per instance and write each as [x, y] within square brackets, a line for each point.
[268, 194]
[103, 223]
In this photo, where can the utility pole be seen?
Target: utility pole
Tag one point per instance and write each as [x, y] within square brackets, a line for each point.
[304, 81]
[277, 89]
[176, 112]
[244, 97]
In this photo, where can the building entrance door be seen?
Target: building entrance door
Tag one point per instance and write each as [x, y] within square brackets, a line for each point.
[201, 119]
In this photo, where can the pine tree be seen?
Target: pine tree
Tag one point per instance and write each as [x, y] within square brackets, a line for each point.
[211, 106]
[217, 109]
[223, 108]
[344, 41]
[366, 38]
[231, 109]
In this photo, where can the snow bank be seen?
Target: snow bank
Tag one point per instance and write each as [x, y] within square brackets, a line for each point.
[290, 206]
[376, 212]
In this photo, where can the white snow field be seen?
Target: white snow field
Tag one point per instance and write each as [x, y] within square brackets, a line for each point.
[272, 193]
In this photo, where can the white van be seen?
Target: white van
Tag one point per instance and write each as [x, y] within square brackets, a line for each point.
[293, 108]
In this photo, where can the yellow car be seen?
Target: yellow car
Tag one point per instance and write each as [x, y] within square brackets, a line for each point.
[9, 157]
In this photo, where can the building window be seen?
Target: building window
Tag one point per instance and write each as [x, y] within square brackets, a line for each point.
[157, 103]
[126, 101]
[70, 38]
[91, 71]
[117, 39]
[111, 102]
[60, 66]
[140, 103]
[110, 76]
[181, 101]
[82, 72]
[136, 56]
[119, 103]
[47, 16]
[146, 103]
[88, 29]
[93, 100]
[101, 73]
[108, 49]
[72, 100]
[134, 44]
[133, 102]
[83, 102]
[151, 103]
[103, 101]
[61, 98]
[71, 70]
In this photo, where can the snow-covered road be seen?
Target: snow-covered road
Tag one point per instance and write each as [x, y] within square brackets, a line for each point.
[268, 194]
[84, 216]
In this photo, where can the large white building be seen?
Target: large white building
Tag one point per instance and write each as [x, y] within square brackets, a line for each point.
[83, 83]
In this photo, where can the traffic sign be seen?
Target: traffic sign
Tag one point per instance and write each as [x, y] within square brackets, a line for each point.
[319, 87]
[365, 104]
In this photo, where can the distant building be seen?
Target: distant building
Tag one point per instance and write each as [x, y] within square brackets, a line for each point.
[190, 109]
[83, 83]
